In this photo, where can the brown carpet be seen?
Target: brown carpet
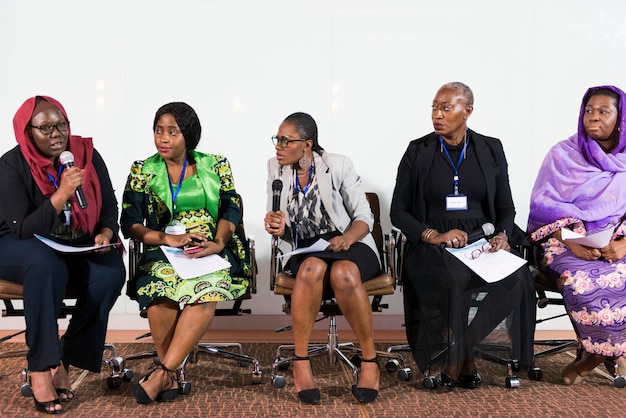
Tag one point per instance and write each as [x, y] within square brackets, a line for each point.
[221, 388]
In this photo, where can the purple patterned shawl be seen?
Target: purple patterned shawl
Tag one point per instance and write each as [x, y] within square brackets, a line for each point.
[578, 179]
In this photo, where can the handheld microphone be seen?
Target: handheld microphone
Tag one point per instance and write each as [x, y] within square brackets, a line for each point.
[277, 187]
[67, 159]
[484, 231]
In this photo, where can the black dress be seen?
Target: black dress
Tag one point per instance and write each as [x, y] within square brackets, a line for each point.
[448, 308]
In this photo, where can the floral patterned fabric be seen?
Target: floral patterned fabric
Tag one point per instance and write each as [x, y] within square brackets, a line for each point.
[203, 200]
[594, 292]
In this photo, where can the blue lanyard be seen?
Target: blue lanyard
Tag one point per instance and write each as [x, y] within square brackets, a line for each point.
[297, 186]
[53, 180]
[178, 186]
[458, 164]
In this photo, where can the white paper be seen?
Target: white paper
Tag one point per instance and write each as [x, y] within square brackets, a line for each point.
[598, 240]
[63, 248]
[320, 245]
[491, 267]
[190, 268]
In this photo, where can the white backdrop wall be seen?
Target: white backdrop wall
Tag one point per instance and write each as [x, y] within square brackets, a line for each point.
[366, 70]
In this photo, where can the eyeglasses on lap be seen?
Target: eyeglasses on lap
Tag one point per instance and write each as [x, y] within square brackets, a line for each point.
[478, 251]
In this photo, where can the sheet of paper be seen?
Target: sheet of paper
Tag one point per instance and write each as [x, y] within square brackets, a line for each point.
[189, 268]
[491, 267]
[63, 248]
[598, 240]
[320, 245]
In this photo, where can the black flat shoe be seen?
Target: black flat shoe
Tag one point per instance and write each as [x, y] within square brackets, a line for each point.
[69, 395]
[469, 381]
[48, 407]
[366, 395]
[445, 382]
[308, 396]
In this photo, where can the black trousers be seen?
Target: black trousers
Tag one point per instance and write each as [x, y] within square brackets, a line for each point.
[45, 275]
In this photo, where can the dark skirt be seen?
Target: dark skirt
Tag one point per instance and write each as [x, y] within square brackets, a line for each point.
[451, 310]
[360, 254]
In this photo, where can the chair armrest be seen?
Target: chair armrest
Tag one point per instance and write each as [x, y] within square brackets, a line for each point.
[253, 265]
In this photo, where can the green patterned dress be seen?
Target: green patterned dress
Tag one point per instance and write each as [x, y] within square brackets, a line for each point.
[204, 198]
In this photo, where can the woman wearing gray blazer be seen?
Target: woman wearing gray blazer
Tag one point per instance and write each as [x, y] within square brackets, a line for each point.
[322, 197]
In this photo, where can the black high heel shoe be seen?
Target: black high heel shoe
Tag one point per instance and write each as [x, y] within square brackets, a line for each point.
[48, 407]
[168, 395]
[366, 395]
[69, 395]
[469, 381]
[309, 396]
[445, 381]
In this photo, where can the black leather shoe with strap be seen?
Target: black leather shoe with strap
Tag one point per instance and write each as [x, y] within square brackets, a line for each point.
[308, 396]
[366, 395]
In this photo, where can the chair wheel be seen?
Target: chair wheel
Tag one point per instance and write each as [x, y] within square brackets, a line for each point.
[392, 365]
[535, 373]
[356, 360]
[512, 382]
[405, 374]
[429, 382]
[114, 382]
[127, 375]
[184, 388]
[257, 377]
[117, 363]
[279, 381]
[619, 381]
[26, 390]
[515, 365]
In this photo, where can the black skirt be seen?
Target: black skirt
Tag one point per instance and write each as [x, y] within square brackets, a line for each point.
[359, 253]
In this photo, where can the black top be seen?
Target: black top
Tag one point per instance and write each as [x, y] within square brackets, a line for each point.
[25, 211]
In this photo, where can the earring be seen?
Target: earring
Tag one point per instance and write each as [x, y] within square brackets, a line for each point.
[304, 161]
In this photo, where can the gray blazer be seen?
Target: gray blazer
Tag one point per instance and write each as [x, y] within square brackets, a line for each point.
[341, 192]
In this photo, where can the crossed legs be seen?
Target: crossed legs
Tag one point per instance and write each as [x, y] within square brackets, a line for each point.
[175, 334]
[345, 279]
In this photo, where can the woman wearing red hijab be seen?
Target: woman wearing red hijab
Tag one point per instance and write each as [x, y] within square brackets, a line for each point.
[39, 197]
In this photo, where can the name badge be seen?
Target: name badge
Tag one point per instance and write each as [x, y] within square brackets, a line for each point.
[175, 229]
[456, 202]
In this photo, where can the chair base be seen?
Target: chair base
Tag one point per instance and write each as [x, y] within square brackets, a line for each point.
[232, 351]
[483, 351]
[336, 350]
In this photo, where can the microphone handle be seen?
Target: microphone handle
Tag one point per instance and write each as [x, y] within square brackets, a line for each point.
[80, 195]
[276, 201]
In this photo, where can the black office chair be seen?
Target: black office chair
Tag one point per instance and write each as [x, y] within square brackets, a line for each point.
[11, 292]
[486, 350]
[282, 283]
[228, 350]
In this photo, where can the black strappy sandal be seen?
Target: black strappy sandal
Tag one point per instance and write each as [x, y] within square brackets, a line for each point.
[168, 395]
[308, 396]
[366, 395]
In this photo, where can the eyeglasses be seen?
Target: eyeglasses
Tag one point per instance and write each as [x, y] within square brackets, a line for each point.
[48, 129]
[284, 142]
[478, 251]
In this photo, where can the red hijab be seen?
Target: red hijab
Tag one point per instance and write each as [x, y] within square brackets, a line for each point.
[83, 220]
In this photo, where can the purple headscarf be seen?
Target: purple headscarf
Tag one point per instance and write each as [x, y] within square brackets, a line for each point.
[579, 180]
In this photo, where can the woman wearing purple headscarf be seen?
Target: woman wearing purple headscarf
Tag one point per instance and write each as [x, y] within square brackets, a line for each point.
[580, 187]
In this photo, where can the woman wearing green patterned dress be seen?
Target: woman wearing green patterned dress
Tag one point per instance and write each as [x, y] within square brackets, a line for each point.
[181, 198]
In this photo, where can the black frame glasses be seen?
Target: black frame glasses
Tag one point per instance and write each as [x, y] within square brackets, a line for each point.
[284, 142]
[49, 128]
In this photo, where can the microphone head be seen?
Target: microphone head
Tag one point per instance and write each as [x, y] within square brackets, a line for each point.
[66, 157]
[277, 185]
[488, 228]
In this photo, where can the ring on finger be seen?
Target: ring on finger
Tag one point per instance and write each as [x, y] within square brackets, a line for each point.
[267, 225]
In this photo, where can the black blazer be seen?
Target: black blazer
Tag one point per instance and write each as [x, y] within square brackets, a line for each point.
[408, 209]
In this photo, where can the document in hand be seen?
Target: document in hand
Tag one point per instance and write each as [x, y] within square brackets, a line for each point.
[491, 267]
[189, 268]
[64, 248]
[320, 245]
[597, 240]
